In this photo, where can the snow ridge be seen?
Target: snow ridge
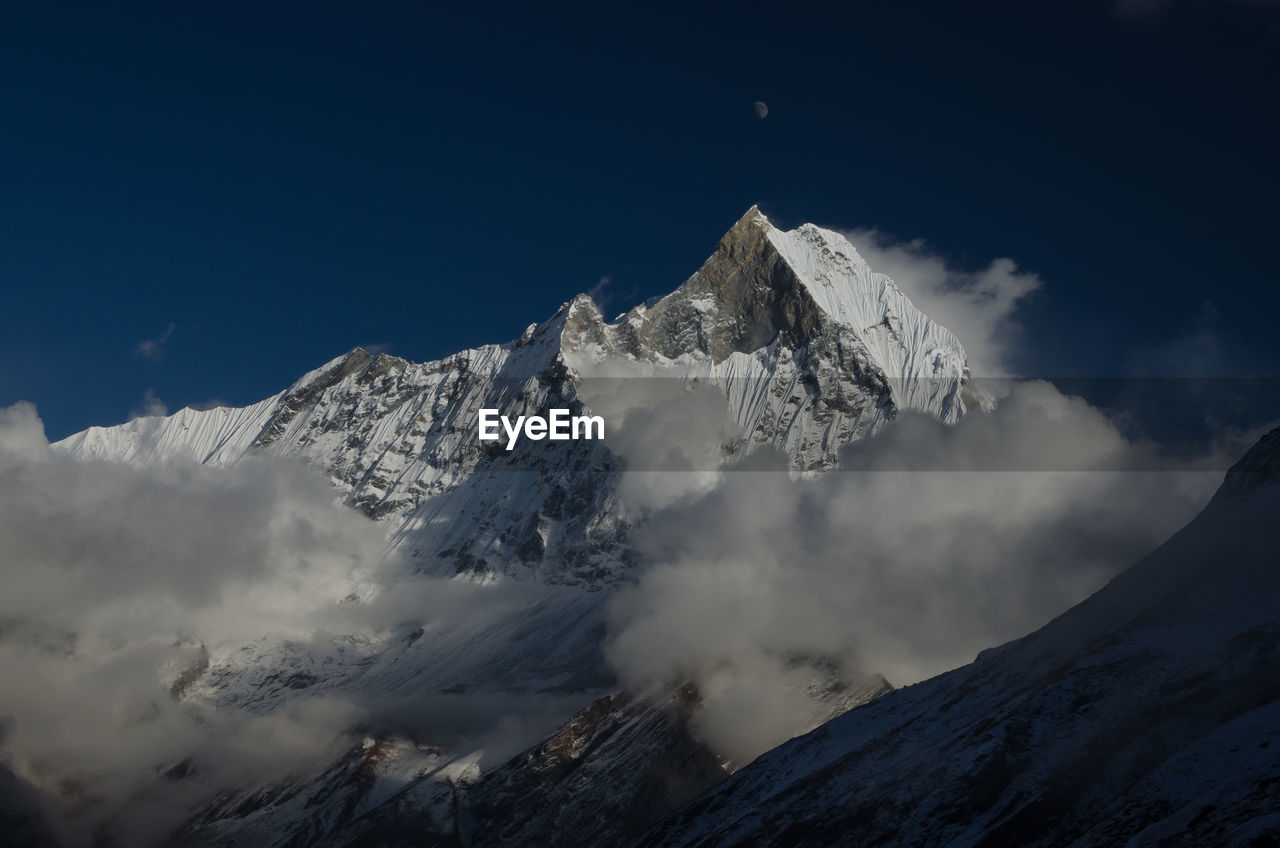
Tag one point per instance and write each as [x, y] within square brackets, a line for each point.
[809, 348]
[803, 345]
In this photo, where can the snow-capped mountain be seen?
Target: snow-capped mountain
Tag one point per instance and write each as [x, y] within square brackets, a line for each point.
[795, 339]
[1147, 715]
[809, 347]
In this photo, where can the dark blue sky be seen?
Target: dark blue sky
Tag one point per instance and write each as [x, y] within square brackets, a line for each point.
[282, 182]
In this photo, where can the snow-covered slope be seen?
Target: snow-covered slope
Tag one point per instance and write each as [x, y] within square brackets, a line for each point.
[1147, 715]
[799, 345]
[809, 347]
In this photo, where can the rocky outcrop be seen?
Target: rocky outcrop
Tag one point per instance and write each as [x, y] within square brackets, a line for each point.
[790, 344]
[807, 346]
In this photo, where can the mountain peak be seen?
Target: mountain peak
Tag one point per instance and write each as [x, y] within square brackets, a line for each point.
[752, 217]
[763, 286]
[810, 349]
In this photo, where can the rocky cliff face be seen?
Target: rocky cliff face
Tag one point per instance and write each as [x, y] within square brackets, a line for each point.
[792, 346]
[807, 346]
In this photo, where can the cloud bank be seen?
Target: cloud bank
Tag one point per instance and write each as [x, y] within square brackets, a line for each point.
[933, 543]
[120, 587]
[755, 587]
[980, 307]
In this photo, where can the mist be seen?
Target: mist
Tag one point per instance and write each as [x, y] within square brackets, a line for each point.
[906, 567]
[123, 588]
[980, 306]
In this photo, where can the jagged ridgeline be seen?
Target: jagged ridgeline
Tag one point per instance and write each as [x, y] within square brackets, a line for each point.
[784, 346]
[1144, 716]
[806, 347]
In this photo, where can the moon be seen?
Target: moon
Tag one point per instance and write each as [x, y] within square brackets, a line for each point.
[762, 109]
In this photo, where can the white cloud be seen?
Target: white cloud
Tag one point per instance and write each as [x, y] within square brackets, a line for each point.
[118, 582]
[898, 572]
[659, 423]
[153, 348]
[151, 406]
[607, 292]
[22, 436]
[598, 292]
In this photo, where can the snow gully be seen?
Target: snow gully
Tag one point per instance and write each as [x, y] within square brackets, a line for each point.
[559, 426]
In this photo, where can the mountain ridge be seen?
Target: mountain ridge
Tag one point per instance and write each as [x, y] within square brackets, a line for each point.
[398, 437]
[803, 349]
[1143, 716]
[770, 340]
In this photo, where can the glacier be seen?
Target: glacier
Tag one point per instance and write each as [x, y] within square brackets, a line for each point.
[786, 339]
[1144, 714]
[808, 347]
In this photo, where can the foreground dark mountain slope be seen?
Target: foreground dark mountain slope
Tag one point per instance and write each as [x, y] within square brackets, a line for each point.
[1147, 715]
[608, 773]
[23, 818]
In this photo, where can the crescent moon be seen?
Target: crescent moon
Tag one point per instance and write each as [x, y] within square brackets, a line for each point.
[762, 109]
